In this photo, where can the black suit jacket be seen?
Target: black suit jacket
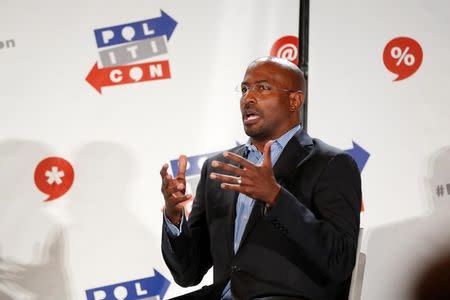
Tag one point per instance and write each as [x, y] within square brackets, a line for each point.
[303, 246]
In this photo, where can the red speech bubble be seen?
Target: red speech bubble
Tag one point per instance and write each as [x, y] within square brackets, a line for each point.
[402, 56]
[53, 176]
[286, 47]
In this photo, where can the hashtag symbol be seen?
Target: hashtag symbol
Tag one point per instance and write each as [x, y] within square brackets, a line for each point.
[448, 188]
[440, 190]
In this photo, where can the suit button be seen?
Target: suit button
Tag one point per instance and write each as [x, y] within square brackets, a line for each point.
[234, 268]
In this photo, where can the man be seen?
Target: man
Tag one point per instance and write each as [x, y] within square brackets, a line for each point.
[277, 217]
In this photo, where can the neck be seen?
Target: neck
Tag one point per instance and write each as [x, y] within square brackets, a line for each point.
[260, 142]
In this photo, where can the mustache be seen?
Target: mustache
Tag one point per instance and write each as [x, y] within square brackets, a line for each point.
[251, 109]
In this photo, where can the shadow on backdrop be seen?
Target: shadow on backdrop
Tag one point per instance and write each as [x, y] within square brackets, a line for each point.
[108, 244]
[32, 244]
[398, 253]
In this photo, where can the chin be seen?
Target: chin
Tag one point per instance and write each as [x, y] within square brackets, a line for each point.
[254, 133]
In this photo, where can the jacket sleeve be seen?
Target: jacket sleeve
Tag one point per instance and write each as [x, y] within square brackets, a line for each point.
[328, 237]
[188, 255]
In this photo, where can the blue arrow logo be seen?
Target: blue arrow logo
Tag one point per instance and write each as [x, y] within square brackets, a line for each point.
[136, 289]
[140, 30]
[360, 155]
[195, 164]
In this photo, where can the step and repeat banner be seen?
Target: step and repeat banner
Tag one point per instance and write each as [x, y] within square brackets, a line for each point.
[379, 78]
[96, 96]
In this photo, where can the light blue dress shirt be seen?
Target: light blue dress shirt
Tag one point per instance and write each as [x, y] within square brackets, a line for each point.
[244, 203]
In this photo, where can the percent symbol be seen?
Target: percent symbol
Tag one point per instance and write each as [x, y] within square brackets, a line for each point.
[403, 56]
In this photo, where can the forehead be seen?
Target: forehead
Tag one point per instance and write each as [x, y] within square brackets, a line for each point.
[266, 71]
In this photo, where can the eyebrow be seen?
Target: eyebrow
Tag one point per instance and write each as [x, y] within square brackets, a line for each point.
[258, 81]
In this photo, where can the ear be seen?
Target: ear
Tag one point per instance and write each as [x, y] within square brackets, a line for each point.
[296, 101]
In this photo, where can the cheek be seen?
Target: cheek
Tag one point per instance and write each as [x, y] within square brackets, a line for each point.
[275, 110]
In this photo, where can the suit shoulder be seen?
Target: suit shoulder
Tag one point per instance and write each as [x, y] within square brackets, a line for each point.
[326, 150]
[329, 153]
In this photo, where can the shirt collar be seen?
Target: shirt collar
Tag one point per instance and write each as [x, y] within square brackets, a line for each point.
[281, 141]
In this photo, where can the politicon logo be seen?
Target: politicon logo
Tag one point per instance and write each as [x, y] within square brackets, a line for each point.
[54, 176]
[121, 46]
[144, 288]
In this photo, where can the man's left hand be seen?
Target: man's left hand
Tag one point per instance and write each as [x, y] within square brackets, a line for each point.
[257, 182]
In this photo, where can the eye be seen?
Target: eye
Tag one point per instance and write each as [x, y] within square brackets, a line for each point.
[244, 89]
[263, 87]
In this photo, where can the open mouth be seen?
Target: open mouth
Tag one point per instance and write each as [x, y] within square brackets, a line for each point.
[250, 117]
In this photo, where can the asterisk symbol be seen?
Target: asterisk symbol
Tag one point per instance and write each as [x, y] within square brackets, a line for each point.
[54, 176]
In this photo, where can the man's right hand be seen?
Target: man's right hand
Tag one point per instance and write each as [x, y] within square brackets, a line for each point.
[173, 190]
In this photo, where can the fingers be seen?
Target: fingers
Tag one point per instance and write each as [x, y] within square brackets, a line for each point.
[267, 160]
[233, 187]
[176, 199]
[182, 164]
[226, 178]
[167, 180]
[227, 167]
[163, 171]
[170, 186]
[172, 189]
[239, 159]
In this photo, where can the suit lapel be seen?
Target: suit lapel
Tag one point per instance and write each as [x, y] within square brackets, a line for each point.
[296, 151]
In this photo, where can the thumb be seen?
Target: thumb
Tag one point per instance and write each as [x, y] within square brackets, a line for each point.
[267, 160]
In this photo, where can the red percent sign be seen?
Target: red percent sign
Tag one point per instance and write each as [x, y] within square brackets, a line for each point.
[53, 176]
[402, 56]
[286, 47]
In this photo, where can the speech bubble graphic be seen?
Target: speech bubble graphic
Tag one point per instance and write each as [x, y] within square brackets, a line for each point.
[53, 176]
[136, 73]
[402, 56]
[286, 47]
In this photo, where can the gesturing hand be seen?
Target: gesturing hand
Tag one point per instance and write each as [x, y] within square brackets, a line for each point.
[173, 190]
[257, 182]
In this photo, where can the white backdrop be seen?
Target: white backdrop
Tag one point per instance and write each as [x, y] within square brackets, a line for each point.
[404, 125]
[105, 229]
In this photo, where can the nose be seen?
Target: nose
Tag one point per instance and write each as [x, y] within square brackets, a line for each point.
[249, 97]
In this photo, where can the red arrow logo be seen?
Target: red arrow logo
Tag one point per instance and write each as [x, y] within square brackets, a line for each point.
[118, 75]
